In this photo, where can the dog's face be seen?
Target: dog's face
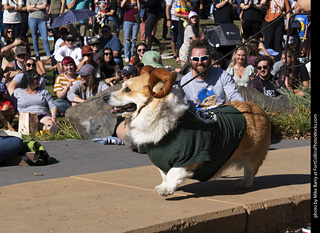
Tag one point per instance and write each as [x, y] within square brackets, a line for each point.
[130, 98]
[137, 92]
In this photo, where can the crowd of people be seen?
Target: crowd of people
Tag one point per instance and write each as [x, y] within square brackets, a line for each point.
[85, 66]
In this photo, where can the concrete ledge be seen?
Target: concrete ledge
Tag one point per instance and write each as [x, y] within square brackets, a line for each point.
[277, 215]
[124, 201]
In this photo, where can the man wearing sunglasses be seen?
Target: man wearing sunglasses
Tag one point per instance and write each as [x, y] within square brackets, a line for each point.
[263, 81]
[210, 89]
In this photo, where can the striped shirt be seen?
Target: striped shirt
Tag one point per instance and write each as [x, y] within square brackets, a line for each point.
[62, 81]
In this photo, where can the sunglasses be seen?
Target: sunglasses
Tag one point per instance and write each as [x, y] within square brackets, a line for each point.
[264, 67]
[202, 58]
[141, 50]
[30, 65]
[107, 54]
[70, 40]
[9, 31]
[105, 31]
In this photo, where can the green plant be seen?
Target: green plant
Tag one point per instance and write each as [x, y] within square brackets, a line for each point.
[295, 124]
[65, 131]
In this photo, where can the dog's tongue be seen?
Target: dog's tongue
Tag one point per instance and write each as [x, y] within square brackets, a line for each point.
[115, 109]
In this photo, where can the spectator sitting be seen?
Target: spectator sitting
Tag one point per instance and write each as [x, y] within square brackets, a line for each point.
[239, 69]
[15, 67]
[128, 71]
[254, 47]
[6, 107]
[87, 87]
[8, 51]
[216, 56]
[29, 64]
[108, 66]
[263, 81]
[107, 40]
[294, 76]
[10, 147]
[63, 32]
[95, 46]
[152, 58]
[8, 36]
[137, 58]
[31, 98]
[63, 84]
[68, 50]
[87, 58]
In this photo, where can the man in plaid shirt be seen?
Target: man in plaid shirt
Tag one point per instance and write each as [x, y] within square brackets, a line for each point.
[263, 81]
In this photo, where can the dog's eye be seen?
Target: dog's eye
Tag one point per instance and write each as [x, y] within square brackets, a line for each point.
[127, 89]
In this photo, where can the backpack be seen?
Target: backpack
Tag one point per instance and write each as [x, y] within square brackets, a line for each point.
[41, 156]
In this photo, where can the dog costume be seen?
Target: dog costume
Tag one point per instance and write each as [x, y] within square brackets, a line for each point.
[194, 141]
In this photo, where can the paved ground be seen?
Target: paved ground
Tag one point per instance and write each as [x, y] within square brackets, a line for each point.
[74, 157]
[98, 188]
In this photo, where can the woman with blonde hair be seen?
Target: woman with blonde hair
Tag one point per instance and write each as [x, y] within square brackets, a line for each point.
[239, 69]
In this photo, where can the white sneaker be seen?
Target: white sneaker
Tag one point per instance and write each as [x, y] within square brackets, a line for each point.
[126, 60]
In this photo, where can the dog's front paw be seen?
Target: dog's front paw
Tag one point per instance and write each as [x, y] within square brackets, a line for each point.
[164, 189]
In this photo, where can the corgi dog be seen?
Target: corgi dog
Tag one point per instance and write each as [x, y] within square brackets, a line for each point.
[180, 144]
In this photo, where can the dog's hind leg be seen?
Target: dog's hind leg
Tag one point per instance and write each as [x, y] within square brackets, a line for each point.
[251, 164]
[171, 180]
[248, 176]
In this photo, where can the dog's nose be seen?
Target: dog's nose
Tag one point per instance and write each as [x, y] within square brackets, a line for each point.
[106, 98]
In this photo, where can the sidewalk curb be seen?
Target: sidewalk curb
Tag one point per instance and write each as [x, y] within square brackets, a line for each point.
[263, 217]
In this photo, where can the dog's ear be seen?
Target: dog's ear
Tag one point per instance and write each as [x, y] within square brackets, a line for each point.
[163, 75]
[146, 69]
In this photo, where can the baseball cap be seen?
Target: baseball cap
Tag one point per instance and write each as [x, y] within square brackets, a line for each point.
[129, 69]
[94, 40]
[152, 58]
[271, 52]
[63, 27]
[86, 49]
[20, 50]
[86, 70]
[3, 87]
[191, 14]
[70, 37]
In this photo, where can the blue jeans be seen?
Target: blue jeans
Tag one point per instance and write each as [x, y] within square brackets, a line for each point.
[41, 25]
[62, 105]
[9, 147]
[130, 31]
